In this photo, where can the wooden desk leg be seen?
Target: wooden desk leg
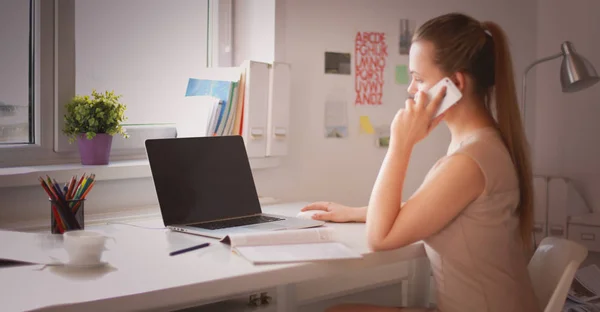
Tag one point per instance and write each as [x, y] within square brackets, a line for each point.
[418, 283]
[286, 298]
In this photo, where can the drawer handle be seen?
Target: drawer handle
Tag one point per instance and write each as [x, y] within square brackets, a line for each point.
[588, 236]
[280, 132]
[256, 133]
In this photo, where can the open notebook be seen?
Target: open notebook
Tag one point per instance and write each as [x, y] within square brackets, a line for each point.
[315, 244]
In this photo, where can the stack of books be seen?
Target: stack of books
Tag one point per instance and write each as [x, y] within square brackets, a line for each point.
[226, 117]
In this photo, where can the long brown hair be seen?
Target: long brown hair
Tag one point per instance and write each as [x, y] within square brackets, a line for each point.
[463, 44]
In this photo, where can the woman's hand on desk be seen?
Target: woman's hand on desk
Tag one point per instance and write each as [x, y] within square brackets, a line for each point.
[335, 212]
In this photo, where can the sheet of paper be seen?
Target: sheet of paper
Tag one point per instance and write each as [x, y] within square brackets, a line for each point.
[336, 119]
[29, 247]
[297, 253]
[365, 125]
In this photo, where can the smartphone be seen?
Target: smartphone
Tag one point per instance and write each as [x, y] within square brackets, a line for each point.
[452, 94]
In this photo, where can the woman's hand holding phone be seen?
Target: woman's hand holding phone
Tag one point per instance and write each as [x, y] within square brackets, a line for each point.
[416, 120]
[423, 113]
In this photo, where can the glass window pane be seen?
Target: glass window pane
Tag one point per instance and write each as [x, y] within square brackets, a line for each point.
[16, 71]
[144, 50]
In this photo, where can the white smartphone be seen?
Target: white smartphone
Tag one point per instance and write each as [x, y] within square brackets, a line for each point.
[452, 94]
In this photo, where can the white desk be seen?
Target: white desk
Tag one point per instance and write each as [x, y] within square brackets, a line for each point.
[142, 275]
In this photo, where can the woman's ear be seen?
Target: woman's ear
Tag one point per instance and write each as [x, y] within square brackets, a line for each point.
[460, 80]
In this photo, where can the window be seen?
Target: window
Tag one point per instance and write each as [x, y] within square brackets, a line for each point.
[143, 50]
[16, 71]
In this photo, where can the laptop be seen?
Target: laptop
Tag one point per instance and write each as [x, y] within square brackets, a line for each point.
[205, 187]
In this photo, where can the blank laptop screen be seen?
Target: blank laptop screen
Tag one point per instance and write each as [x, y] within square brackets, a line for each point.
[202, 179]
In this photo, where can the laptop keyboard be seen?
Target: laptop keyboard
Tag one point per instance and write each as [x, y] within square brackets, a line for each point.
[236, 222]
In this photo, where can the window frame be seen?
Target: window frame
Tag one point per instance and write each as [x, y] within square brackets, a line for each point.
[18, 154]
[54, 74]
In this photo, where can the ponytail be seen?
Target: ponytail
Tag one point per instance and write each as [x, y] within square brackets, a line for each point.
[511, 129]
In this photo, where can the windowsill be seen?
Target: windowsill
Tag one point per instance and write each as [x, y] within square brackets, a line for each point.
[117, 170]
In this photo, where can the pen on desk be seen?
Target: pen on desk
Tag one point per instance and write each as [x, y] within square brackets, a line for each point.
[177, 252]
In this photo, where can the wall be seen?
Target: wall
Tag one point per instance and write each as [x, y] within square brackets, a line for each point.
[344, 170]
[566, 125]
[254, 17]
[318, 168]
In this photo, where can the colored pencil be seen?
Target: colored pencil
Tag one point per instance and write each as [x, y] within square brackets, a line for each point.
[70, 188]
[76, 207]
[57, 218]
[67, 200]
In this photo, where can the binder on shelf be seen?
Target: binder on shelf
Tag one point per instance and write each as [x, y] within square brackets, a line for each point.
[211, 123]
[229, 109]
[255, 107]
[557, 207]
[253, 101]
[556, 202]
[238, 119]
[540, 192]
[278, 109]
[223, 85]
[577, 206]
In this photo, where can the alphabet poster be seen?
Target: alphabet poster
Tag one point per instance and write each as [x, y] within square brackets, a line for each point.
[371, 53]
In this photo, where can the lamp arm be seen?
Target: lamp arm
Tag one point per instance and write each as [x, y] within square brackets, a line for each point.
[524, 82]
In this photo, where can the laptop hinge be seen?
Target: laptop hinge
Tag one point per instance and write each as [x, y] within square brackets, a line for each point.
[217, 220]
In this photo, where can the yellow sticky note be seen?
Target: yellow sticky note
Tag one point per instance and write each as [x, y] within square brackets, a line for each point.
[365, 125]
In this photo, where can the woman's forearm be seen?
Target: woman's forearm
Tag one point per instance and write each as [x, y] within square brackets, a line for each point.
[360, 214]
[386, 198]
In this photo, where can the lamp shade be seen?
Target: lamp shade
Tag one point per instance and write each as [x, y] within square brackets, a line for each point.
[576, 73]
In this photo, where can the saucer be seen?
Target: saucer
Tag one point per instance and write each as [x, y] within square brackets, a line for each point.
[57, 261]
[85, 265]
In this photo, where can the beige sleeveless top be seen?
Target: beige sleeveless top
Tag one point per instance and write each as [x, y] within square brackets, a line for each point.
[477, 260]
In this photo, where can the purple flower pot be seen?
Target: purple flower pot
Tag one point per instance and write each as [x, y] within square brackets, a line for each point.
[95, 151]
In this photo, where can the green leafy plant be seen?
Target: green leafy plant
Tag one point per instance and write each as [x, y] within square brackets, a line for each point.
[98, 113]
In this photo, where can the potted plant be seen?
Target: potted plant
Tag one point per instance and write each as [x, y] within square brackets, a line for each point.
[92, 121]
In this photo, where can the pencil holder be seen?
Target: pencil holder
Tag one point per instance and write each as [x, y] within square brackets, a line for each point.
[66, 215]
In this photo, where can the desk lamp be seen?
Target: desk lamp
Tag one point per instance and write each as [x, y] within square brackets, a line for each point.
[576, 72]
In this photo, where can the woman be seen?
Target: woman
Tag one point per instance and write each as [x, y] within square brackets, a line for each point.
[474, 208]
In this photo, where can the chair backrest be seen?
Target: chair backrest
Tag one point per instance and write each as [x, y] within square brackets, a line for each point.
[552, 269]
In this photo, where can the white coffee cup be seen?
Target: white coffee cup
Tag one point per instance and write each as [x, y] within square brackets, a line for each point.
[84, 247]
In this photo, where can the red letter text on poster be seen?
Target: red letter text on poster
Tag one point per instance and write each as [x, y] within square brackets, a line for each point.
[371, 52]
